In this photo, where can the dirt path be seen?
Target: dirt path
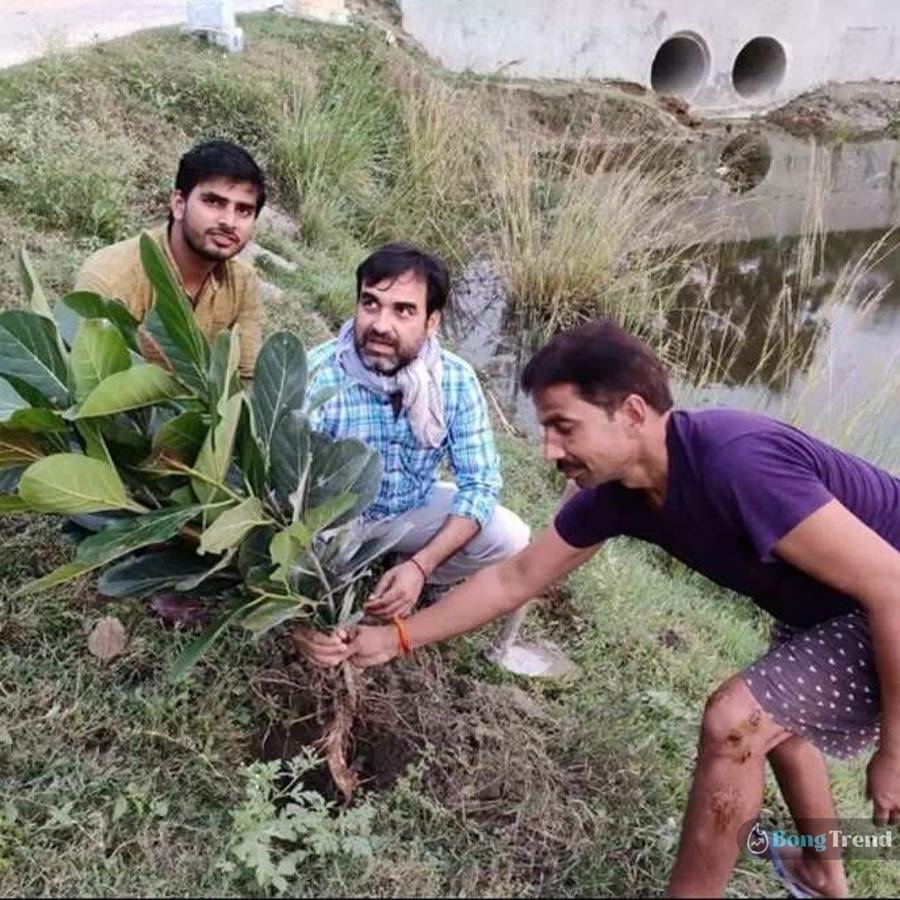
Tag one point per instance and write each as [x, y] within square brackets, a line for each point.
[28, 28]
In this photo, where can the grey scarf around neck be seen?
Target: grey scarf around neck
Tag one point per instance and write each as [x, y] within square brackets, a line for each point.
[419, 383]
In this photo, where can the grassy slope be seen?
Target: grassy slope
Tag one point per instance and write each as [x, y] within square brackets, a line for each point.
[114, 781]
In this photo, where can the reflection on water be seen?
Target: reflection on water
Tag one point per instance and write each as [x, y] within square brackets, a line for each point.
[760, 308]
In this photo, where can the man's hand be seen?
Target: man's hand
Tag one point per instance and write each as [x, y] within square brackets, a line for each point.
[320, 649]
[397, 592]
[883, 787]
[373, 646]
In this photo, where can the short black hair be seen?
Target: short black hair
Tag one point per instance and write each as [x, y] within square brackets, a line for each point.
[219, 159]
[604, 363]
[393, 260]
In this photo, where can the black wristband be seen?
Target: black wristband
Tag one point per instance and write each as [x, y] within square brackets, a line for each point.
[412, 559]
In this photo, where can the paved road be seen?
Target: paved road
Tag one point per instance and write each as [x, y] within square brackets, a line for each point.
[28, 28]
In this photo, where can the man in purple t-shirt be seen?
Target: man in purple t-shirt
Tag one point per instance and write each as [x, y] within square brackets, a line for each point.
[811, 534]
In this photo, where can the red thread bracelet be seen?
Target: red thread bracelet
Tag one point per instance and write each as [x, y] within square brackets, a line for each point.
[402, 636]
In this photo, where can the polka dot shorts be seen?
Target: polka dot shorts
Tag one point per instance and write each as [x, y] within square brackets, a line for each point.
[821, 683]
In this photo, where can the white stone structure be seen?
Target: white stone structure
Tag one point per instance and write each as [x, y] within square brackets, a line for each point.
[720, 55]
[214, 19]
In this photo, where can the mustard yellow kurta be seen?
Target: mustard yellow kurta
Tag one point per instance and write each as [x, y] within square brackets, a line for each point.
[229, 297]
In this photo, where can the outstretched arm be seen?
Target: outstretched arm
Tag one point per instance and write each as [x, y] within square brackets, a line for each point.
[491, 593]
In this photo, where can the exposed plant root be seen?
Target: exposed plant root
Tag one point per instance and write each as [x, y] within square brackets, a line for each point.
[335, 741]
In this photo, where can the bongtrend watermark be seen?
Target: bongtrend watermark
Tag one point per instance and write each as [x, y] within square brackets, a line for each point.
[832, 838]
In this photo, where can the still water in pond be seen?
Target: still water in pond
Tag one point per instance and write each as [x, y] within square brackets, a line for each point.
[850, 348]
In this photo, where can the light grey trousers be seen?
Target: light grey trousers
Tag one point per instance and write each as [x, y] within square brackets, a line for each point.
[501, 537]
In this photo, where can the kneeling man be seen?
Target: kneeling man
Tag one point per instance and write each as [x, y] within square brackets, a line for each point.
[418, 405]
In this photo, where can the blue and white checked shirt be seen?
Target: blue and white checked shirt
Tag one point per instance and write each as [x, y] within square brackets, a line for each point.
[410, 470]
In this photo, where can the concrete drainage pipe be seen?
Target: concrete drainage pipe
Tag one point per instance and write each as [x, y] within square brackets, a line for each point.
[681, 65]
[759, 68]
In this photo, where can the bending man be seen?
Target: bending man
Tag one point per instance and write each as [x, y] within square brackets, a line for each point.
[810, 533]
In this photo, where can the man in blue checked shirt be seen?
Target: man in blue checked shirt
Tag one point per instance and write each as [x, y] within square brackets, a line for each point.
[418, 405]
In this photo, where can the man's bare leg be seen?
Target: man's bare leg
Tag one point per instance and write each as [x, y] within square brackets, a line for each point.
[727, 789]
[803, 779]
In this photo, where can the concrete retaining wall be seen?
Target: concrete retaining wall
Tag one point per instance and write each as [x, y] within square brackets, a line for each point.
[804, 43]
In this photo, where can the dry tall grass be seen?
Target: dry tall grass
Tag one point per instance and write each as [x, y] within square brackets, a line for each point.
[576, 239]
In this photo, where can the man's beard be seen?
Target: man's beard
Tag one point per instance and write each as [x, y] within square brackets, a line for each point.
[388, 367]
[210, 255]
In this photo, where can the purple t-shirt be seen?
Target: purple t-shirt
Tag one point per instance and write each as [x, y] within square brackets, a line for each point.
[739, 482]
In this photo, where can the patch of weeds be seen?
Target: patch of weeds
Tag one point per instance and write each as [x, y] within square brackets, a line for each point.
[280, 834]
[74, 176]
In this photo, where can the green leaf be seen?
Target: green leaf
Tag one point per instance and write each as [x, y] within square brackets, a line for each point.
[71, 483]
[336, 466]
[352, 556]
[320, 517]
[30, 351]
[89, 305]
[290, 541]
[150, 573]
[130, 389]
[27, 392]
[254, 549]
[18, 448]
[34, 293]
[286, 544]
[38, 421]
[67, 323]
[181, 437]
[172, 320]
[232, 526]
[127, 441]
[192, 582]
[215, 454]
[65, 573]
[197, 648]
[99, 350]
[223, 367]
[365, 487]
[279, 385]
[290, 460]
[10, 503]
[274, 612]
[253, 467]
[10, 401]
[117, 540]
[94, 445]
[127, 535]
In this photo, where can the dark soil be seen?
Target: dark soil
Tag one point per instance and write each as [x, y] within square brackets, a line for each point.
[496, 754]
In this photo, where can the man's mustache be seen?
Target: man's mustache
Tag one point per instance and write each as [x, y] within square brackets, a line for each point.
[378, 336]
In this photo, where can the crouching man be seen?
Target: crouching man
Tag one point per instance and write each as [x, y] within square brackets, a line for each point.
[809, 533]
[418, 405]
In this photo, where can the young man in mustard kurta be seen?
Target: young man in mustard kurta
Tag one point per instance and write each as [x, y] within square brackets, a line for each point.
[219, 193]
